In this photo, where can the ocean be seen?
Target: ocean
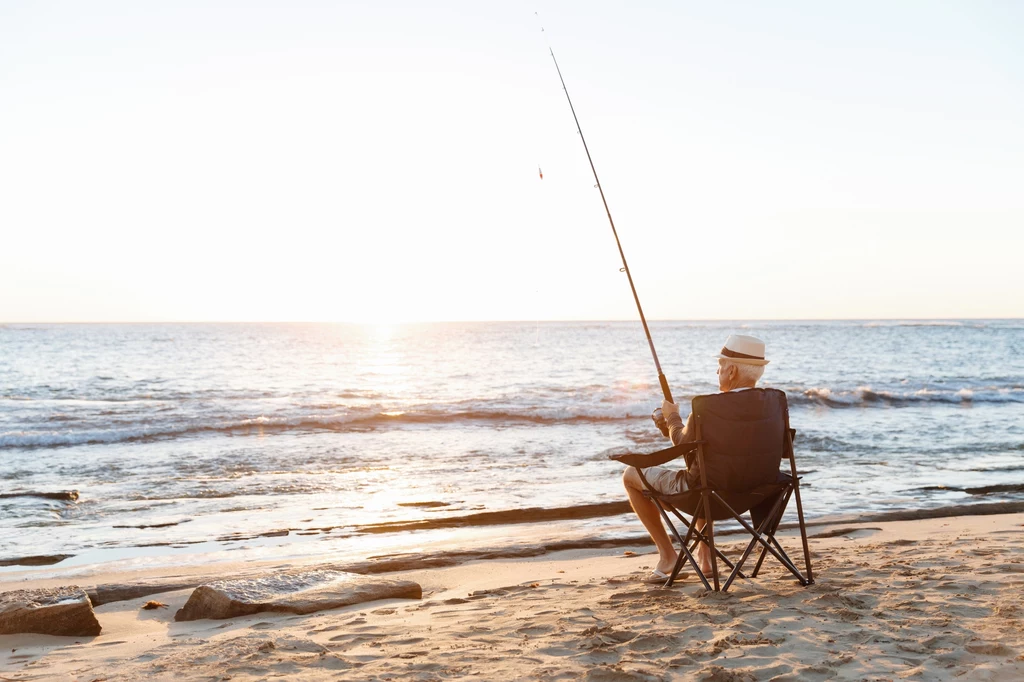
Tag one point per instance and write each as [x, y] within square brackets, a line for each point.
[201, 442]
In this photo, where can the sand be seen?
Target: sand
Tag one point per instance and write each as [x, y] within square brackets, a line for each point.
[936, 599]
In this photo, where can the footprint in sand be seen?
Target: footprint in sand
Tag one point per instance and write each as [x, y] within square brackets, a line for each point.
[350, 640]
[653, 644]
[989, 649]
[605, 636]
[903, 542]
[534, 630]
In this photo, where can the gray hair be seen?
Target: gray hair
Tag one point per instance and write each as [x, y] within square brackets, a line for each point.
[747, 373]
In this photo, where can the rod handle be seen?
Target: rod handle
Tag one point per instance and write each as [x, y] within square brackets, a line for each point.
[664, 387]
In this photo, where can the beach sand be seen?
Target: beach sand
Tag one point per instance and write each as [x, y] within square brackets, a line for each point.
[936, 599]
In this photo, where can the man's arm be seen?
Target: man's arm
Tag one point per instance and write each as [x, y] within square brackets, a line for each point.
[676, 430]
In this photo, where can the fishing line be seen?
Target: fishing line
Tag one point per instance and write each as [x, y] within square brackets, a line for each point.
[625, 266]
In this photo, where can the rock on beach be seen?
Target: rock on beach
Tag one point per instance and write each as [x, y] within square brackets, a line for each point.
[298, 593]
[48, 611]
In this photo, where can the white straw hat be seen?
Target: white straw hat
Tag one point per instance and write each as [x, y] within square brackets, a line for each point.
[744, 350]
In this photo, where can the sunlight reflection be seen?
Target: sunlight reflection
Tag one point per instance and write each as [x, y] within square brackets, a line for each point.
[381, 331]
[385, 358]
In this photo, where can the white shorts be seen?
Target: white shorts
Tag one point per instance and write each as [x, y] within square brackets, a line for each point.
[666, 481]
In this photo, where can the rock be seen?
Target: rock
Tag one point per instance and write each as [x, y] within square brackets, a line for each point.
[63, 495]
[38, 560]
[299, 593]
[274, 533]
[51, 611]
[111, 592]
[166, 524]
[488, 518]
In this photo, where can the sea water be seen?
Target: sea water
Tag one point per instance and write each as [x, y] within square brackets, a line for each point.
[187, 440]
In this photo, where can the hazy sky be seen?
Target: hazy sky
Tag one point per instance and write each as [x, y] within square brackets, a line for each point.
[378, 160]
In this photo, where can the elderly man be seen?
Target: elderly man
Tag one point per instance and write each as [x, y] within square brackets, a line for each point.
[740, 366]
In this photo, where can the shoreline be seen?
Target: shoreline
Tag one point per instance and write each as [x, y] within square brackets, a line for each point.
[14, 571]
[933, 599]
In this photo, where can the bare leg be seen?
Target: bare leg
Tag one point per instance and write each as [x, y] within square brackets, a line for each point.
[649, 515]
[703, 551]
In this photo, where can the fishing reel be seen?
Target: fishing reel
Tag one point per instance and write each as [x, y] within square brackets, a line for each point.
[659, 420]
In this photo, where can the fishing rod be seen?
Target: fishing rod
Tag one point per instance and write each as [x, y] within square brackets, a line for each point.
[625, 266]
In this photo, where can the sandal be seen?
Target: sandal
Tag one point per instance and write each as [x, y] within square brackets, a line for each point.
[655, 577]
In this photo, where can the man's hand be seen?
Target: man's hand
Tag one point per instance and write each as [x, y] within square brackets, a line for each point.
[668, 409]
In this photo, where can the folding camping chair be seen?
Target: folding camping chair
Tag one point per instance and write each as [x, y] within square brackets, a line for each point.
[740, 439]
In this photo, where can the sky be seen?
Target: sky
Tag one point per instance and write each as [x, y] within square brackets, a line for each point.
[378, 161]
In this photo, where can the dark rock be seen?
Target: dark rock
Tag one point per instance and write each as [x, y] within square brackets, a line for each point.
[38, 560]
[988, 489]
[111, 592]
[298, 593]
[836, 532]
[237, 537]
[63, 611]
[166, 524]
[528, 515]
[984, 509]
[64, 495]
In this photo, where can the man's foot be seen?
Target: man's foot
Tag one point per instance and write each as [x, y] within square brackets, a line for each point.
[704, 559]
[666, 564]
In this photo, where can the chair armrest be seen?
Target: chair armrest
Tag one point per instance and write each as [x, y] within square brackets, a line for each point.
[653, 459]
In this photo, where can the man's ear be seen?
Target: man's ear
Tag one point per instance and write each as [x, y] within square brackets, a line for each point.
[731, 371]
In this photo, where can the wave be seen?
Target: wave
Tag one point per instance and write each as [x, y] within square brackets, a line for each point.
[808, 441]
[268, 425]
[106, 427]
[866, 396]
[975, 324]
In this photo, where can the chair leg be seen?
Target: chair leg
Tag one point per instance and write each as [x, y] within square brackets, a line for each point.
[680, 558]
[783, 557]
[779, 553]
[772, 529]
[683, 554]
[709, 530]
[684, 544]
[765, 524]
[760, 560]
[710, 526]
[718, 553]
[735, 570]
[803, 534]
[698, 537]
[800, 510]
[788, 562]
[685, 551]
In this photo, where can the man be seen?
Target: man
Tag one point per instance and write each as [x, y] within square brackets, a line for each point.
[740, 366]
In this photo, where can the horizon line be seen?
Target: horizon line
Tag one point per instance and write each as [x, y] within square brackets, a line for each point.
[520, 321]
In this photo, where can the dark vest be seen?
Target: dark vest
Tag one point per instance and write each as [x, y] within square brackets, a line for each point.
[745, 437]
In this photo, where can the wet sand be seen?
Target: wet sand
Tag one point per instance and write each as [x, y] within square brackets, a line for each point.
[932, 599]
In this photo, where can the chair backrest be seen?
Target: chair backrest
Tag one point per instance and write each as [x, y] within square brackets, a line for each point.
[745, 436]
